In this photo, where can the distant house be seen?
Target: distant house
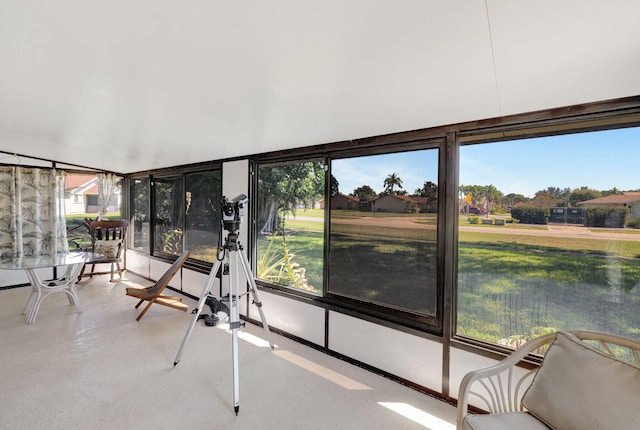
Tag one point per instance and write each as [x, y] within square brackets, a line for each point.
[343, 201]
[629, 199]
[81, 195]
[425, 205]
[398, 204]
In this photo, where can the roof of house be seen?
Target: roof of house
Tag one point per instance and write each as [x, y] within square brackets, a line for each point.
[81, 183]
[347, 196]
[410, 199]
[626, 198]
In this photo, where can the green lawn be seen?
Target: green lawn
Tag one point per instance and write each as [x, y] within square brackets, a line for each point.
[619, 248]
[509, 284]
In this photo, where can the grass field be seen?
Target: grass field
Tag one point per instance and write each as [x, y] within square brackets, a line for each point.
[508, 283]
[549, 243]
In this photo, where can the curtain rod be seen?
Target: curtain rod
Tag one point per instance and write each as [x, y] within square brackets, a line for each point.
[54, 164]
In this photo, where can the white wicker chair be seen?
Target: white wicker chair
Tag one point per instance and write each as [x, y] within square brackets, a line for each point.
[499, 388]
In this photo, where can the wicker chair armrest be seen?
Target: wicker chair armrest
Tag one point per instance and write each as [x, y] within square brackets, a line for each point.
[502, 386]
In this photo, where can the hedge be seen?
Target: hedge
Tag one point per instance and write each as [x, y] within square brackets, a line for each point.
[615, 217]
[530, 214]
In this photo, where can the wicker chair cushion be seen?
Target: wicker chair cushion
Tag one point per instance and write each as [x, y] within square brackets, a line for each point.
[580, 387]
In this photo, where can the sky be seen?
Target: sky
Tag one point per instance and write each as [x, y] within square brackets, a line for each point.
[600, 160]
[414, 168]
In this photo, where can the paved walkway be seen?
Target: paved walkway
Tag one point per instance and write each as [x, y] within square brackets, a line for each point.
[552, 230]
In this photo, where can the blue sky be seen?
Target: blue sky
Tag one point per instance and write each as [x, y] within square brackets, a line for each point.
[600, 160]
[414, 168]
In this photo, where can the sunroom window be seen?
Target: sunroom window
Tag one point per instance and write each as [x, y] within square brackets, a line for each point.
[383, 230]
[549, 236]
[290, 225]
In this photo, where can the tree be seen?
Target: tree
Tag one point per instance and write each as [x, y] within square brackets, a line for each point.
[477, 193]
[543, 198]
[513, 198]
[612, 192]
[390, 182]
[428, 190]
[282, 188]
[334, 186]
[583, 194]
[493, 196]
[488, 194]
[365, 193]
[559, 194]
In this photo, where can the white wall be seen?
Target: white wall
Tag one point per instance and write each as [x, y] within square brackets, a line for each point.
[410, 357]
[14, 277]
[292, 316]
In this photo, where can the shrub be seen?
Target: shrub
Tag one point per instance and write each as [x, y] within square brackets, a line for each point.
[474, 220]
[531, 214]
[634, 223]
[606, 217]
[276, 265]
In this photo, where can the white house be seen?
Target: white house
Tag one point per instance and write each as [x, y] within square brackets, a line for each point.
[630, 199]
[81, 195]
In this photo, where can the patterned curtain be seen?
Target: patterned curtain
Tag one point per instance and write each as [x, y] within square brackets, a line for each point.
[32, 213]
[106, 182]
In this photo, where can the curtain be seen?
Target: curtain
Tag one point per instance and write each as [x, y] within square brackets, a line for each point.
[32, 212]
[106, 182]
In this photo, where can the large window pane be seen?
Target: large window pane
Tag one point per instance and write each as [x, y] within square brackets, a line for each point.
[203, 193]
[383, 227]
[548, 236]
[290, 224]
[140, 205]
[169, 211]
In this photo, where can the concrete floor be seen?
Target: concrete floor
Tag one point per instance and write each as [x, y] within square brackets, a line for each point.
[100, 369]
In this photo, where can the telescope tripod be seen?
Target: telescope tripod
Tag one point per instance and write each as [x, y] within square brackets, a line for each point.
[232, 252]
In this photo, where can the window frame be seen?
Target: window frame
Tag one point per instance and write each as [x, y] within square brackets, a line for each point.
[398, 318]
[252, 252]
[182, 172]
[573, 119]
[551, 125]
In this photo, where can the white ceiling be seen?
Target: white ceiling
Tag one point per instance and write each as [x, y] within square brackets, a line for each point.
[127, 85]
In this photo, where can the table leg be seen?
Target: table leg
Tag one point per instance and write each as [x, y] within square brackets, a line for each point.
[41, 289]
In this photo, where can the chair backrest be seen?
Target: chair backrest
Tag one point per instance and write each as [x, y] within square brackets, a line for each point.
[108, 237]
[499, 388]
[169, 274]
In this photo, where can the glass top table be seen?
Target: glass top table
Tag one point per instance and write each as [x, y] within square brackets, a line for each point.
[73, 262]
[56, 260]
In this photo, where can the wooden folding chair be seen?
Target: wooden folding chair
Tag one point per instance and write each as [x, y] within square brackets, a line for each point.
[153, 294]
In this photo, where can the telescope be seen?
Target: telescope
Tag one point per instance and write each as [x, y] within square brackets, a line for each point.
[232, 212]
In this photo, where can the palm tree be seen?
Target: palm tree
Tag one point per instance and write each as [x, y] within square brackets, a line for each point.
[392, 181]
